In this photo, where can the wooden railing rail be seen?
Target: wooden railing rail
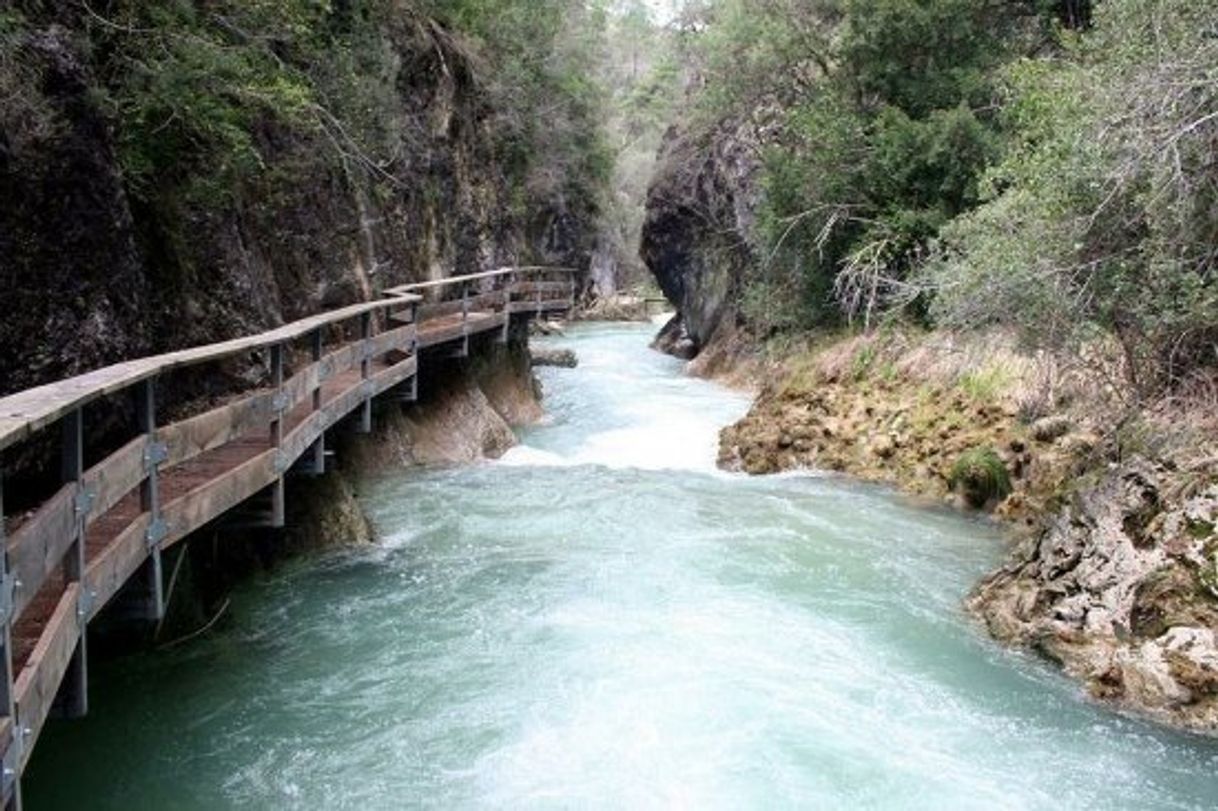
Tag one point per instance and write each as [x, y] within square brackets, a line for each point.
[532, 270]
[108, 524]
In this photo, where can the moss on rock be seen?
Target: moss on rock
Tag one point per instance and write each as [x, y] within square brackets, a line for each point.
[981, 477]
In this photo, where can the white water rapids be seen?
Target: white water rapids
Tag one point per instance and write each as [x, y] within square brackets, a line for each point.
[604, 620]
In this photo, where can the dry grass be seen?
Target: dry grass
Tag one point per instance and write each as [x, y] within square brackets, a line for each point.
[991, 368]
[986, 366]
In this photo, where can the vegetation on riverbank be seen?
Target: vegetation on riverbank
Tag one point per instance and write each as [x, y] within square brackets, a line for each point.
[1044, 167]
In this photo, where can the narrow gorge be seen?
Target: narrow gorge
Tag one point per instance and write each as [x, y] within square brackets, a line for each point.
[608, 403]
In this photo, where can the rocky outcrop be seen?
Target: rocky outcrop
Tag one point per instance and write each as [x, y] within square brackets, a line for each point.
[1122, 590]
[73, 276]
[466, 412]
[698, 236]
[868, 410]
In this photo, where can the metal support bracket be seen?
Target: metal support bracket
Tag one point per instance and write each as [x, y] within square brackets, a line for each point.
[8, 589]
[12, 760]
[368, 389]
[84, 500]
[157, 531]
[157, 453]
[84, 604]
[281, 463]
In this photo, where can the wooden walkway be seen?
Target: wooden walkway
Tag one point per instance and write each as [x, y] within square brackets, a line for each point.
[107, 526]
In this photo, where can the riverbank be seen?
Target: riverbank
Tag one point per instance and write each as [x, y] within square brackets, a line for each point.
[1114, 575]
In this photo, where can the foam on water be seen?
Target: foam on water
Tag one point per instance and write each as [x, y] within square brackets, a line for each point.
[601, 620]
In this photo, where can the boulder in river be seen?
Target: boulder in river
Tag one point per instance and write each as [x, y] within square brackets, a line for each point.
[545, 356]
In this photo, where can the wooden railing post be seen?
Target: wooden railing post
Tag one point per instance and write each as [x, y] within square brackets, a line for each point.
[10, 784]
[278, 495]
[413, 393]
[464, 350]
[150, 496]
[365, 368]
[319, 447]
[74, 693]
[506, 283]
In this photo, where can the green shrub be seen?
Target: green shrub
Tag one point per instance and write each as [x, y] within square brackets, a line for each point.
[1100, 220]
[981, 477]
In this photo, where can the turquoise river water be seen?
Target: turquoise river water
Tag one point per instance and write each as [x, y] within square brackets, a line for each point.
[603, 620]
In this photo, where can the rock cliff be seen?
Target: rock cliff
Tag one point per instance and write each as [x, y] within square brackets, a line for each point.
[94, 273]
[698, 237]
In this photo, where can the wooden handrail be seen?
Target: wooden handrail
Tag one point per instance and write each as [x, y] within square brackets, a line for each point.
[26, 412]
[107, 525]
[406, 289]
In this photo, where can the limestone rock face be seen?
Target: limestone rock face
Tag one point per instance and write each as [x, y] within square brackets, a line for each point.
[1120, 589]
[698, 236]
[94, 274]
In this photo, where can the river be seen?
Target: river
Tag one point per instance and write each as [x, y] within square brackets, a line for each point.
[603, 620]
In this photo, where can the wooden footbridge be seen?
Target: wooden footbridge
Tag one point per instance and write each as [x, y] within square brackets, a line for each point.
[106, 527]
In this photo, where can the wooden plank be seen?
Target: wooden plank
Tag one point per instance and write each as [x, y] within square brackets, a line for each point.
[115, 476]
[38, 547]
[304, 382]
[494, 300]
[530, 288]
[208, 431]
[399, 373]
[343, 404]
[547, 305]
[428, 312]
[25, 412]
[300, 438]
[342, 360]
[44, 670]
[300, 386]
[399, 338]
[189, 512]
[442, 333]
[114, 565]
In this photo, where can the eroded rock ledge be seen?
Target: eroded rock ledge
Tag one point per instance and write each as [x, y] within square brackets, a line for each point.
[1121, 589]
